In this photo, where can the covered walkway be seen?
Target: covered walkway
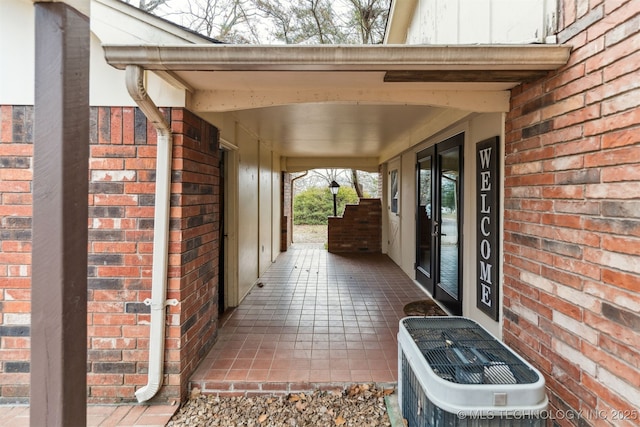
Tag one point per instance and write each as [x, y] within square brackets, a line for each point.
[314, 320]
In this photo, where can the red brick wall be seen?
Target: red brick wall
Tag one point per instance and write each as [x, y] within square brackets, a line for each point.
[16, 167]
[121, 199]
[121, 208]
[358, 230]
[194, 242]
[572, 216]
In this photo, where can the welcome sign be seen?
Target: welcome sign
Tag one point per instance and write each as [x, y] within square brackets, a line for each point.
[488, 209]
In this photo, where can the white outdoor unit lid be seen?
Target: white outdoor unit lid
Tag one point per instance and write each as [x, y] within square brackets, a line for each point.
[463, 367]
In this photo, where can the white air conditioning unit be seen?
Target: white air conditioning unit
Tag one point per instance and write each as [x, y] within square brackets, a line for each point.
[453, 372]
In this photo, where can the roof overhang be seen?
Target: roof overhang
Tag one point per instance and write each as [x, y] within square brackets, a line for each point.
[325, 101]
[479, 58]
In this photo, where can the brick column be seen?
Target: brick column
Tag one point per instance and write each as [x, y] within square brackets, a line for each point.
[194, 244]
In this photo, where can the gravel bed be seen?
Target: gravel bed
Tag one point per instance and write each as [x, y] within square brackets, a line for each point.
[360, 405]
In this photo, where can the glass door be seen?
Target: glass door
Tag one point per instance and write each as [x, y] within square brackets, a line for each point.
[439, 221]
[425, 226]
[448, 287]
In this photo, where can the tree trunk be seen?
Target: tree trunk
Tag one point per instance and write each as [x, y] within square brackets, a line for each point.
[356, 183]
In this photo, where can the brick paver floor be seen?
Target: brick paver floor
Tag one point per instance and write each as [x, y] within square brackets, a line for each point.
[314, 320]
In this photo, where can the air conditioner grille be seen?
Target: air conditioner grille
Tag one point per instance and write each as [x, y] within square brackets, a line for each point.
[461, 352]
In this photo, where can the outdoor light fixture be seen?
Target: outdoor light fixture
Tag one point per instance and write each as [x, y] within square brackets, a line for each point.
[334, 187]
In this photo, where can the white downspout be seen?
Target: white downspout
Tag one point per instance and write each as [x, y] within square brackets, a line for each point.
[135, 85]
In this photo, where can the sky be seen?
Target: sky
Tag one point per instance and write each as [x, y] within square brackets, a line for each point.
[183, 12]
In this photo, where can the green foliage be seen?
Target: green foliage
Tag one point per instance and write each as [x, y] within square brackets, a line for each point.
[346, 196]
[314, 205]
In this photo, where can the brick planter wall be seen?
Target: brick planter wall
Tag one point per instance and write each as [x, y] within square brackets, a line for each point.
[358, 230]
[572, 217]
[121, 208]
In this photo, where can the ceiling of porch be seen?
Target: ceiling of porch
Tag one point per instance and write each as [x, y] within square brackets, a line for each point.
[343, 101]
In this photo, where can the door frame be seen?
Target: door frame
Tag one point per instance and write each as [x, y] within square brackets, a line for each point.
[230, 232]
[431, 281]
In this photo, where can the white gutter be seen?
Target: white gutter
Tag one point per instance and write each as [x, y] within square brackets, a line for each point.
[135, 85]
[208, 57]
[400, 16]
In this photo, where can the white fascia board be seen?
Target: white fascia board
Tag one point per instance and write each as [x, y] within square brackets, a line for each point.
[237, 99]
[299, 164]
[400, 15]
[116, 22]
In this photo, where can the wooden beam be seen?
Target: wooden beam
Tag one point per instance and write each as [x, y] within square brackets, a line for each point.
[456, 76]
[60, 193]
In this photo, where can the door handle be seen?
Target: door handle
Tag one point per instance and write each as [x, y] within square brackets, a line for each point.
[435, 229]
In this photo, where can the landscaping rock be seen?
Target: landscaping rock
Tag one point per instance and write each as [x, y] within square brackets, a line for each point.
[360, 405]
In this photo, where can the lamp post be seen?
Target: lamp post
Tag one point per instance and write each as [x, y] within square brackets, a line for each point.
[334, 187]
